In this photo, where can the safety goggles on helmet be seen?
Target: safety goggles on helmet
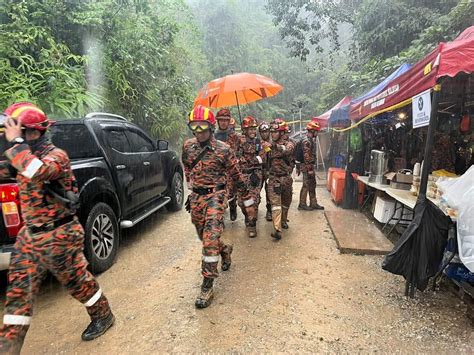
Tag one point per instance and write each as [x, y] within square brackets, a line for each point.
[199, 126]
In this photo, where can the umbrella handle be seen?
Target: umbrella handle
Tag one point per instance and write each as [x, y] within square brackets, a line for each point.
[238, 107]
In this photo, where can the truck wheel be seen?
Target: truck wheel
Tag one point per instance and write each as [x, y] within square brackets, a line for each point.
[102, 237]
[176, 193]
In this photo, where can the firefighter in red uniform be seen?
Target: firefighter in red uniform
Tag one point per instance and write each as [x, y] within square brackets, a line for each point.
[208, 164]
[307, 168]
[251, 159]
[225, 133]
[264, 130]
[280, 183]
[52, 238]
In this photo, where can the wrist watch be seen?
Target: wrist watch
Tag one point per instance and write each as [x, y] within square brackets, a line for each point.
[17, 140]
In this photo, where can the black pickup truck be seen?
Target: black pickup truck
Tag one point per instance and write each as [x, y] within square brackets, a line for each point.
[123, 175]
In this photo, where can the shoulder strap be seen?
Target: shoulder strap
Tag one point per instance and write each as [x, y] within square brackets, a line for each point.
[199, 157]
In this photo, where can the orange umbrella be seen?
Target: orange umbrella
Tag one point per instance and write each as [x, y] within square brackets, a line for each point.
[236, 89]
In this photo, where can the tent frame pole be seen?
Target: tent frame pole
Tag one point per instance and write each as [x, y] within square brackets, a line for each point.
[429, 142]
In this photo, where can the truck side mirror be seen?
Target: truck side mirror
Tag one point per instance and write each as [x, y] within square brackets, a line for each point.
[162, 145]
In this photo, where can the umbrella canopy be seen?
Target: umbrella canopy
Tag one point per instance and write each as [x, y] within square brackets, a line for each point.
[236, 89]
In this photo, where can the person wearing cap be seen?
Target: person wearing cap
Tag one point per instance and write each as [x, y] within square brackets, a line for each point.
[208, 165]
[225, 133]
[307, 168]
[264, 131]
[251, 161]
[280, 182]
[52, 238]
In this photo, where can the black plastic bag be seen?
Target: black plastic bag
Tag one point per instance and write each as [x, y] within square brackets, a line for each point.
[419, 251]
[351, 192]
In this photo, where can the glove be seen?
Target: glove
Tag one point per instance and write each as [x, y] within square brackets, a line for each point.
[187, 205]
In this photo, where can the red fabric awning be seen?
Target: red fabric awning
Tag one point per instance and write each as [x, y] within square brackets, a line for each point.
[457, 56]
[323, 118]
[448, 59]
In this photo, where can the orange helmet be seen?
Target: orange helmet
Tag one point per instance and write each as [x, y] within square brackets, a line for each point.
[223, 114]
[313, 126]
[202, 114]
[249, 122]
[278, 125]
[29, 115]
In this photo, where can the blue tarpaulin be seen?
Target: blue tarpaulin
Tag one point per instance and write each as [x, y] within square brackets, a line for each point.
[341, 116]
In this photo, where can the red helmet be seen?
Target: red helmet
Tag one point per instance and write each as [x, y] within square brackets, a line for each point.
[29, 115]
[249, 122]
[278, 125]
[313, 126]
[223, 114]
[202, 114]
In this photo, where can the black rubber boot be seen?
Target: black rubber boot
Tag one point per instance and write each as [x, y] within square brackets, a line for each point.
[233, 210]
[268, 216]
[304, 208]
[276, 235]
[207, 293]
[317, 207]
[97, 327]
[226, 257]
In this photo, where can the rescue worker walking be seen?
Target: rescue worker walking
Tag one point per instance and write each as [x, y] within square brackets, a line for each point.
[264, 130]
[207, 162]
[280, 189]
[307, 168]
[286, 137]
[251, 157]
[52, 238]
[225, 133]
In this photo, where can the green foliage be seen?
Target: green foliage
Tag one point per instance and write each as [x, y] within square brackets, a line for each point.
[385, 34]
[124, 56]
[35, 67]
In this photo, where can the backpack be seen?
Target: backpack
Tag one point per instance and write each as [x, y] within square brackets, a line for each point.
[298, 154]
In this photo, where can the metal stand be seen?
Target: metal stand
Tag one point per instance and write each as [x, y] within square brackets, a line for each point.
[319, 156]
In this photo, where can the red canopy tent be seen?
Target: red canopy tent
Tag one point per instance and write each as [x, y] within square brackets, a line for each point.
[323, 118]
[448, 59]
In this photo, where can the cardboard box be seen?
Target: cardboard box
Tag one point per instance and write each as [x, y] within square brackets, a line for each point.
[404, 178]
[400, 185]
[398, 177]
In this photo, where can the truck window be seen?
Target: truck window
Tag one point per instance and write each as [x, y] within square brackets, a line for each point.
[75, 140]
[140, 143]
[117, 140]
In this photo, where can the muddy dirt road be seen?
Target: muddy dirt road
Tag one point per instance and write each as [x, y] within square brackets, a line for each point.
[296, 295]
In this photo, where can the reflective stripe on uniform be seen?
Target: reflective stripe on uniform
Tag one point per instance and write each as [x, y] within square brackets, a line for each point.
[276, 208]
[249, 202]
[32, 168]
[210, 259]
[13, 319]
[93, 299]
